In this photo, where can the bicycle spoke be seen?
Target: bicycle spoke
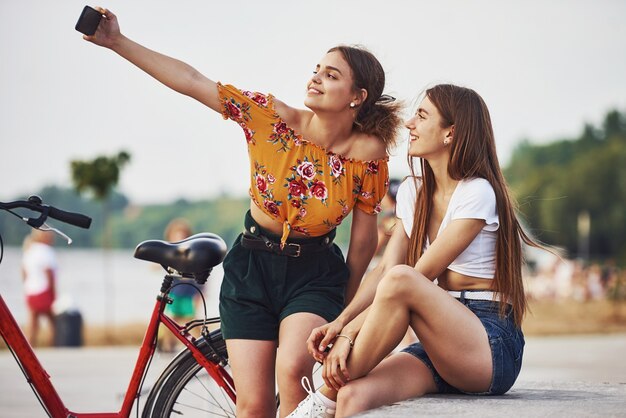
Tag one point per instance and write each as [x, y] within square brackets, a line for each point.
[190, 390]
[210, 393]
[225, 414]
[202, 398]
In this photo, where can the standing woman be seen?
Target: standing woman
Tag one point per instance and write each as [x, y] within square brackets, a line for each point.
[39, 271]
[458, 227]
[308, 169]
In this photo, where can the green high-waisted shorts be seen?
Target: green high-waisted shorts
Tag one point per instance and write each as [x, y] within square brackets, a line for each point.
[261, 288]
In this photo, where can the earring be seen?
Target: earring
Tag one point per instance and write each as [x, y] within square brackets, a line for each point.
[352, 105]
[446, 141]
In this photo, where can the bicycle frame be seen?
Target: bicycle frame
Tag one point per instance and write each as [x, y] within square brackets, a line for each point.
[39, 379]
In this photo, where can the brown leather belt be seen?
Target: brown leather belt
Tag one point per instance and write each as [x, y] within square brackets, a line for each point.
[262, 243]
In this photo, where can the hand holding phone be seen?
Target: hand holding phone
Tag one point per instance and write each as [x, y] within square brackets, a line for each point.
[88, 21]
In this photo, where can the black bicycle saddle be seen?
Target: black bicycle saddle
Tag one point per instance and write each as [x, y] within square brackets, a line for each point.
[194, 256]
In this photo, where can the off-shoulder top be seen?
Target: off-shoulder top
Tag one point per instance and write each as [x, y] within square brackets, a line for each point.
[300, 184]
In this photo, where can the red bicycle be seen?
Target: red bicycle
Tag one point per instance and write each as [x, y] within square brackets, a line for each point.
[196, 382]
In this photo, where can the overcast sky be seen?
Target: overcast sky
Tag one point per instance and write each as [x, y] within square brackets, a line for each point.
[544, 68]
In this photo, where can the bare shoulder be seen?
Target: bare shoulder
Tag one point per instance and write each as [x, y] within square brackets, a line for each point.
[295, 118]
[367, 147]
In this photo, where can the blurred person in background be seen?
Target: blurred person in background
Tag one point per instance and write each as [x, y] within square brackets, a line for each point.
[387, 217]
[184, 296]
[39, 272]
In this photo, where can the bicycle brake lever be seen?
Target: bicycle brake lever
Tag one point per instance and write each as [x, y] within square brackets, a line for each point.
[46, 227]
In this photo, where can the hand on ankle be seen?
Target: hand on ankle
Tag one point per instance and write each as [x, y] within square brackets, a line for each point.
[328, 393]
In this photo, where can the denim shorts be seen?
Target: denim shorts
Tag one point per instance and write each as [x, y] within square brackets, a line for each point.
[507, 347]
[261, 288]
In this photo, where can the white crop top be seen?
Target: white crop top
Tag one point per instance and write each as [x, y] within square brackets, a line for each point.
[472, 199]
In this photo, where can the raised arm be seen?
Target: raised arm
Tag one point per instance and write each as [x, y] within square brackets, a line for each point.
[174, 73]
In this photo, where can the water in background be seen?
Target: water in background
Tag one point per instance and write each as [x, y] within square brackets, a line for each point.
[119, 290]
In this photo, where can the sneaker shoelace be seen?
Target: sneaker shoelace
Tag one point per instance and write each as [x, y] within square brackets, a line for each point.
[314, 407]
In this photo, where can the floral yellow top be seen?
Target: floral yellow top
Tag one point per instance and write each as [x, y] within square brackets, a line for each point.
[307, 188]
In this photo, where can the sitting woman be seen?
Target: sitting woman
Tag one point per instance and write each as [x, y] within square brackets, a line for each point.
[457, 227]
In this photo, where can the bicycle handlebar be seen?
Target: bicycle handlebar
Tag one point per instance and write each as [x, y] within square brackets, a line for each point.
[34, 204]
[71, 218]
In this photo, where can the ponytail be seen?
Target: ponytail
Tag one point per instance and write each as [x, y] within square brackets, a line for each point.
[381, 119]
[379, 114]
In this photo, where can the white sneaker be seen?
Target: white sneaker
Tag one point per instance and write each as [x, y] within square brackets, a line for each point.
[311, 406]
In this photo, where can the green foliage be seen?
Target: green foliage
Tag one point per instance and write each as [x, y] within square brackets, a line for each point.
[132, 224]
[223, 216]
[100, 175]
[558, 181]
[13, 231]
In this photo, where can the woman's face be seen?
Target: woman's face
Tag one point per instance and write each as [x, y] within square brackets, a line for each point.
[426, 134]
[330, 88]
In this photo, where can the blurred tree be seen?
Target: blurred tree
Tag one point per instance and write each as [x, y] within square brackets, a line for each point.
[557, 182]
[99, 177]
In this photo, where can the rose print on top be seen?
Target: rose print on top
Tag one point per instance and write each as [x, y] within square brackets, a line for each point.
[257, 97]
[263, 180]
[319, 190]
[306, 170]
[297, 182]
[239, 112]
[372, 167]
[261, 183]
[233, 109]
[302, 184]
[297, 188]
[249, 133]
[336, 166]
[282, 134]
[345, 209]
[271, 206]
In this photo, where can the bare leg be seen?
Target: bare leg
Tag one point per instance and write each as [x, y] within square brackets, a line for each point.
[50, 317]
[252, 364]
[294, 361]
[33, 329]
[409, 338]
[453, 336]
[398, 377]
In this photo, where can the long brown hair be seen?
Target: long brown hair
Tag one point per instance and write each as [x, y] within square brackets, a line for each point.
[473, 154]
[378, 115]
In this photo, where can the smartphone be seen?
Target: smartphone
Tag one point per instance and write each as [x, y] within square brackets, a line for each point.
[88, 21]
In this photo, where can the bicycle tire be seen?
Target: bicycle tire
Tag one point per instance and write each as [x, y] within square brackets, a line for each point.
[186, 389]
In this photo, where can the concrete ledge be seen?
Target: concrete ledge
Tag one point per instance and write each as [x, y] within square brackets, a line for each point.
[528, 399]
[549, 385]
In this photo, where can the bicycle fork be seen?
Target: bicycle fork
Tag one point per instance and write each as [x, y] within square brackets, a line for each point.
[35, 374]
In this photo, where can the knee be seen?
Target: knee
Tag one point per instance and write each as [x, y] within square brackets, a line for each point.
[398, 282]
[251, 411]
[293, 367]
[254, 406]
[352, 399]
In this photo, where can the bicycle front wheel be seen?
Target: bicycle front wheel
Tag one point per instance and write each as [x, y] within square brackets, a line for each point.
[190, 391]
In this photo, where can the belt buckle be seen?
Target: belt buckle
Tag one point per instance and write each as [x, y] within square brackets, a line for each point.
[298, 249]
